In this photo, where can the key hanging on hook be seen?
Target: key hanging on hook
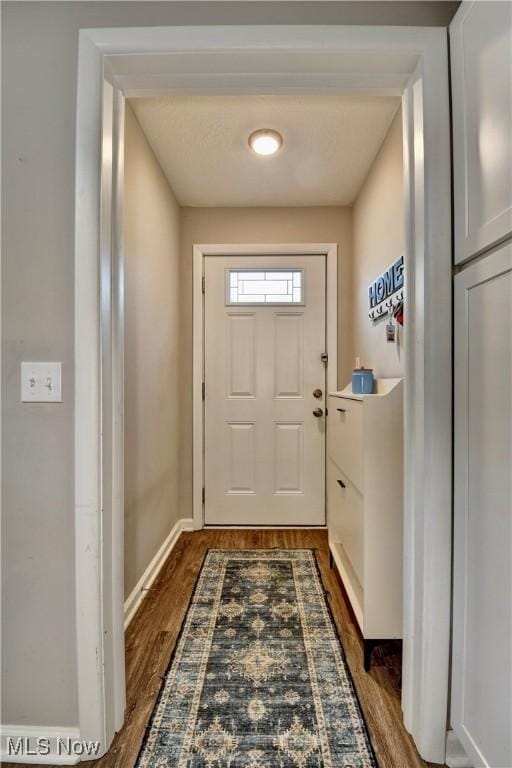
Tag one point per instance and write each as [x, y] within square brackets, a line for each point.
[390, 326]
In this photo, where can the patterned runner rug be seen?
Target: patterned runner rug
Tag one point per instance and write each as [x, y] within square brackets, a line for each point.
[258, 679]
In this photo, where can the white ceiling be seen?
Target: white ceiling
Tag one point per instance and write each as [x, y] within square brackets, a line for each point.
[329, 145]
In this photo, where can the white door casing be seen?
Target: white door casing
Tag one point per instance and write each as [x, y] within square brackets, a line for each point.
[273, 59]
[264, 448]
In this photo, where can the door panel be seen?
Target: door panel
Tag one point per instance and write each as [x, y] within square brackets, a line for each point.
[481, 41]
[264, 448]
[482, 602]
[240, 329]
[240, 458]
[289, 453]
[289, 358]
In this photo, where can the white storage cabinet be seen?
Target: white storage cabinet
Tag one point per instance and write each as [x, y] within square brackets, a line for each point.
[365, 505]
[481, 709]
[481, 65]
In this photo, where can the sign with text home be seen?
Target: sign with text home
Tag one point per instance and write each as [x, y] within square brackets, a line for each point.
[387, 290]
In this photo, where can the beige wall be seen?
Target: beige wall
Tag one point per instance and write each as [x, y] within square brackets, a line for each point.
[378, 239]
[39, 72]
[256, 225]
[152, 404]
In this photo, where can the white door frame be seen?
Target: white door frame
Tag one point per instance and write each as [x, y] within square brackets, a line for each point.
[330, 251]
[117, 62]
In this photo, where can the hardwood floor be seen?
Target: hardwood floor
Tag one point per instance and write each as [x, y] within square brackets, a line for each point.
[151, 637]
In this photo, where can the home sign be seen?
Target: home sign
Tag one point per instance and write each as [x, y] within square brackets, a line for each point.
[387, 291]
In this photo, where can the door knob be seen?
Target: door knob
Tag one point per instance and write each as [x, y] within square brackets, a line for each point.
[318, 412]
[317, 393]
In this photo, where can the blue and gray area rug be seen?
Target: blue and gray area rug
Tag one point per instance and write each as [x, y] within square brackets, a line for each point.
[258, 679]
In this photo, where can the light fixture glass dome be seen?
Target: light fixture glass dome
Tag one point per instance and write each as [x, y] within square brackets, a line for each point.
[265, 141]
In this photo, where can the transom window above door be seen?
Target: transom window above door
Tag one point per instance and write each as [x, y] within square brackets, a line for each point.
[264, 286]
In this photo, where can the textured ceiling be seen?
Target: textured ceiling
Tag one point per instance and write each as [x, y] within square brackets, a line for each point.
[329, 145]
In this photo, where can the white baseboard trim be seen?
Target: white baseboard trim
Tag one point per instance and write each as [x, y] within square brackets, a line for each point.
[139, 592]
[42, 745]
[212, 527]
[455, 754]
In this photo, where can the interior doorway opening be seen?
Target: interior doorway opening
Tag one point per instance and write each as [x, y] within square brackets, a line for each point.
[101, 690]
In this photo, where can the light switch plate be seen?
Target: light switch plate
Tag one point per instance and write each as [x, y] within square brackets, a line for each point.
[41, 382]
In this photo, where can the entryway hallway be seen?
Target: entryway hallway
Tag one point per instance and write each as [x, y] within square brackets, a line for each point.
[105, 389]
[152, 635]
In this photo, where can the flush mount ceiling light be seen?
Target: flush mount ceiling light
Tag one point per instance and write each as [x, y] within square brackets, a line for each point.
[265, 141]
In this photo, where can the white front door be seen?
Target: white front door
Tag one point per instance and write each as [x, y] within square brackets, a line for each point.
[264, 341]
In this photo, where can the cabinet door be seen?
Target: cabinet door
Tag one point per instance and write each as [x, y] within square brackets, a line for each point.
[482, 602]
[346, 517]
[345, 437]
[481, 46]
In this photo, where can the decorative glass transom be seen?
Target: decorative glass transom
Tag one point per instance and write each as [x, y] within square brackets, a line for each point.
[264, 286]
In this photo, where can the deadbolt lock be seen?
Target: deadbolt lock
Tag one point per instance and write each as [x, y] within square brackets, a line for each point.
[317, 393]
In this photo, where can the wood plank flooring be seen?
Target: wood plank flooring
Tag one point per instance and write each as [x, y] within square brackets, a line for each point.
[151, 637]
